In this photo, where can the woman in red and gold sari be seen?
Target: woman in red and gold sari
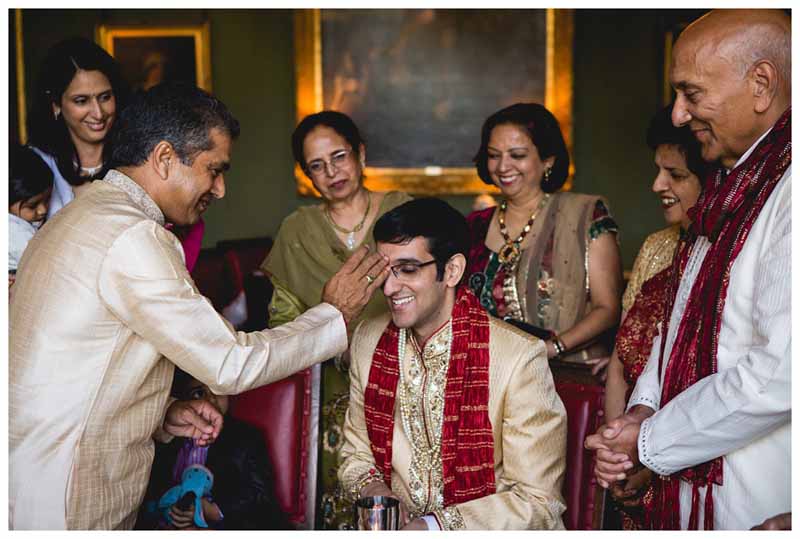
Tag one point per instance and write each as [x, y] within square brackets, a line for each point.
[678, 185]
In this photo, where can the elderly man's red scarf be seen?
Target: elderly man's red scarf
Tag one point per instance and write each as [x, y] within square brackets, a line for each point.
[467, 442]
[725, 213]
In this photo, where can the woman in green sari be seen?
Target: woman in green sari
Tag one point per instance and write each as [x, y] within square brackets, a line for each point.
[312, 244]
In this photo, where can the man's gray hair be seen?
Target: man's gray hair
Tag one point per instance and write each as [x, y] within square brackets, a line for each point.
[179, 113]
[764, 41]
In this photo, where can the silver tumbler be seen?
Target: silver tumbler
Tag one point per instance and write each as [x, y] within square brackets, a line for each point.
[377, 513]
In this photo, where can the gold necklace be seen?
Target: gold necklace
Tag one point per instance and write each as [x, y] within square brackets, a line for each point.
[509, 253]
[350, 241]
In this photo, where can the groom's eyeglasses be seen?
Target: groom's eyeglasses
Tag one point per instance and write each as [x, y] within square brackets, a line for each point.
[409, 270]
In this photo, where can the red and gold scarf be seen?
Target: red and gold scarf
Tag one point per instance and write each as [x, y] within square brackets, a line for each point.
[467, 442]
[725, 214]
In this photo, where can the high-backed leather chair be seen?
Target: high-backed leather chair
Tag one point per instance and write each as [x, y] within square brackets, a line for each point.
[287, 414]
[583, 496]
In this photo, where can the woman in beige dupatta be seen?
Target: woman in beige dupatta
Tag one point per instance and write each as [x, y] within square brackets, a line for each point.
[312, 244]
[547, 259]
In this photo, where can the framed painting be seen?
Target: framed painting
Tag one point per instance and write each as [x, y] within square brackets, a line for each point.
[420, 82]
[151, 54]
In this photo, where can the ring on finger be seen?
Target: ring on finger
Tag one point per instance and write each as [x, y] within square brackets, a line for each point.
[369, 278]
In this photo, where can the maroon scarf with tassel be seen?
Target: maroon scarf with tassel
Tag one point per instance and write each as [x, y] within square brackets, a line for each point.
[725, 213]
[467, 441]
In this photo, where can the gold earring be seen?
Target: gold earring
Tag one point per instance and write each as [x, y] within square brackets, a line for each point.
[546, 174]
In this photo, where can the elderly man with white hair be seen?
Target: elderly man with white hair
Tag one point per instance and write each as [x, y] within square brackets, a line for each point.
[711, 413]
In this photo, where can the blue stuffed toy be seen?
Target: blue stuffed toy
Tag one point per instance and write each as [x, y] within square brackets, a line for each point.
[197, 479]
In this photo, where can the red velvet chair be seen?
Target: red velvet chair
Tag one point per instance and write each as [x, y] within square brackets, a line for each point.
[583, 496]
[287, 414]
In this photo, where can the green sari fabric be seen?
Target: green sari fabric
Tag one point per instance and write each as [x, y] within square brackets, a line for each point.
[307, 252]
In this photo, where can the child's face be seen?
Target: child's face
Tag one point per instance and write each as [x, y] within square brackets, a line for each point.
[32, 209]
[196, 390]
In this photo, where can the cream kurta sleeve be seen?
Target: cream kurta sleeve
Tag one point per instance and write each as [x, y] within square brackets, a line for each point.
[144, 282]
[534, 439]
[357, 462]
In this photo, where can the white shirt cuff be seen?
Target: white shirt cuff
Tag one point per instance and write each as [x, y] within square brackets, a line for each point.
[430, 520]
[645, 452]
[643, 400]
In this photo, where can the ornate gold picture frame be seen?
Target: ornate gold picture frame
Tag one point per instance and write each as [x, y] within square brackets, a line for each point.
[434, 179]
[151, 54]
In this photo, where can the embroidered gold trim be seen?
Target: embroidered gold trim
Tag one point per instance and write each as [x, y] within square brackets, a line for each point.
[450, 518]
[421, 397]
[137, 194]
[361, 481]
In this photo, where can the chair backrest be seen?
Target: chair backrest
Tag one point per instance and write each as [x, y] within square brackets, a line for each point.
[287, 414]
[251, 252]
[216, 277]
[583, 496]
[247, 256]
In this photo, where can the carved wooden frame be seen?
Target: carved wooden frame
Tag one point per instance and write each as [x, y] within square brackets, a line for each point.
[106, 33]
[449, 181]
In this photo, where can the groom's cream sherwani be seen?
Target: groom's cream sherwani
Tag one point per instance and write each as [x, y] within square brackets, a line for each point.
[529, 426]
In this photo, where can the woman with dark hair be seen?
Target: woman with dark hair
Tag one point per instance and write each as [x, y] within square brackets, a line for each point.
[678, 186]
[79, 92]
[544, 259]
[312, 244]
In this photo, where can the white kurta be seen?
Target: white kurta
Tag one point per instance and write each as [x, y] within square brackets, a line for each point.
[743, 411]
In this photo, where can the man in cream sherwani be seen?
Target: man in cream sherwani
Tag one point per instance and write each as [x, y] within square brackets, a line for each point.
[451, 411]
[104, 306]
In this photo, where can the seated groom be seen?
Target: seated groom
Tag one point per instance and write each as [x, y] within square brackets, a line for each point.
[452, 411]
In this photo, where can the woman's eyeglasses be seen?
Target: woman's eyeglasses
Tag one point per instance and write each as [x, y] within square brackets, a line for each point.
[317, 166]
[408, 270]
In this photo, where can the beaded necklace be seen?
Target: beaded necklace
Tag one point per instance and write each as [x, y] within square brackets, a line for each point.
[509, 253]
